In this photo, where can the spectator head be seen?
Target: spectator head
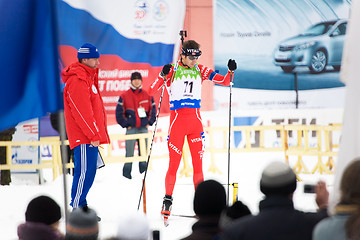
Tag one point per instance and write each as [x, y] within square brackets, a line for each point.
[278, 179]
[209, 199]
[88, 51]
[43, 209]
[350, 196]
[135, 75]
[350, 183]
[82, 224]
[233, 212]
[134, 226]
[136, 80]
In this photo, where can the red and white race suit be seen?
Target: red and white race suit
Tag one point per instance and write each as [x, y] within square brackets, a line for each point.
[184, 87]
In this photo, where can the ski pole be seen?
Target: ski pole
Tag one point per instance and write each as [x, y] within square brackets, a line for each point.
[152, 140]
[228, 180]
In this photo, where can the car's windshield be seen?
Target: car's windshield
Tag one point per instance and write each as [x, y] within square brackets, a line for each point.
[319, 29]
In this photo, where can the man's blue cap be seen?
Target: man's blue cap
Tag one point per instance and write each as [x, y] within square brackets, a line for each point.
[88, 51]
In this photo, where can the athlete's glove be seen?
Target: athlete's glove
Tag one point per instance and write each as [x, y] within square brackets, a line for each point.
[165, 71]
[232, 65]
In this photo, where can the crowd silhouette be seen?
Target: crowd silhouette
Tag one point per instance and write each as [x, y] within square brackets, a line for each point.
[277, 217]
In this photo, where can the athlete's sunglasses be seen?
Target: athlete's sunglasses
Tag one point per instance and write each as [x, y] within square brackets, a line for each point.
[192, 58]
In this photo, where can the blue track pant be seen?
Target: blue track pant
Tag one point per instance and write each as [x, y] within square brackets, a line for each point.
[85, 164]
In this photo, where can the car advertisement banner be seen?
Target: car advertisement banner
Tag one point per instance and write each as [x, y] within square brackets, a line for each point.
[131, 36]
[286, 51]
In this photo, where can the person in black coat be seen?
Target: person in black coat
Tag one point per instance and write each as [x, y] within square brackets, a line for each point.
[209, 202]
[42, 217]
[278, 219]
[135, 111]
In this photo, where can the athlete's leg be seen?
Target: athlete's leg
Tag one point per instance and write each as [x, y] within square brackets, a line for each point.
[85, 162]
[196, 147]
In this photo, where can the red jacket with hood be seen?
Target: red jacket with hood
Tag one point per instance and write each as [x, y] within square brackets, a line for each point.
[85, 115]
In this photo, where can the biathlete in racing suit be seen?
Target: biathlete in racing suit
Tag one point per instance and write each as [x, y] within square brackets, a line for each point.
[183, 83]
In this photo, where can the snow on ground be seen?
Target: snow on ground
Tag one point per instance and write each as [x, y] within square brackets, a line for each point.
[114, 196]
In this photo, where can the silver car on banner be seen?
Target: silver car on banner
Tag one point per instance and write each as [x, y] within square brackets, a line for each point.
[321, 45]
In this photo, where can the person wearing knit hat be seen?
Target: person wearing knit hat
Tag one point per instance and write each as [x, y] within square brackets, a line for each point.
[85, 120]
[135, 111]
[209, 199]
[278, 219]
[278, 178]
[209, 202]
[42, 220]
[82, 224]
[133, 226]
[87, 51]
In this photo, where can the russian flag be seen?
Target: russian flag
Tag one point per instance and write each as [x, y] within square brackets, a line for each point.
[130, 36]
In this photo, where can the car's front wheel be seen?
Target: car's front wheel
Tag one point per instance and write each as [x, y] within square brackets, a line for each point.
[287, 69]
[318, 62]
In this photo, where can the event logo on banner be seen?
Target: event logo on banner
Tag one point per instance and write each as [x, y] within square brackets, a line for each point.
[27, 131]
[140, 35]
[288, 52]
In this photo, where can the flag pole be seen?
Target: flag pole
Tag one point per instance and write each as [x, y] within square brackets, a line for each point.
[62, 131]
[64, 157]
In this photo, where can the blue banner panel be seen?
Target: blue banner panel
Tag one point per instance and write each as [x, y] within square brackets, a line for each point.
[29, 62]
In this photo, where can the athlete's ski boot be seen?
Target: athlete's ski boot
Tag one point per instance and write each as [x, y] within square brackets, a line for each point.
[166, 209]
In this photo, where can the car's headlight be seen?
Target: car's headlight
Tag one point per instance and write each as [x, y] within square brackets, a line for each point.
[303, 46]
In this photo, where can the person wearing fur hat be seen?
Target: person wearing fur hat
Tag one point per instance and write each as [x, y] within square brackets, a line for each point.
[42, 220]
[278, 219]
[135, 111]
[85, 120]
[209, 202]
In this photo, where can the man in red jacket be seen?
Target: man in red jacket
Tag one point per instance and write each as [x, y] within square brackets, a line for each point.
[135, 111]
[85, 120]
